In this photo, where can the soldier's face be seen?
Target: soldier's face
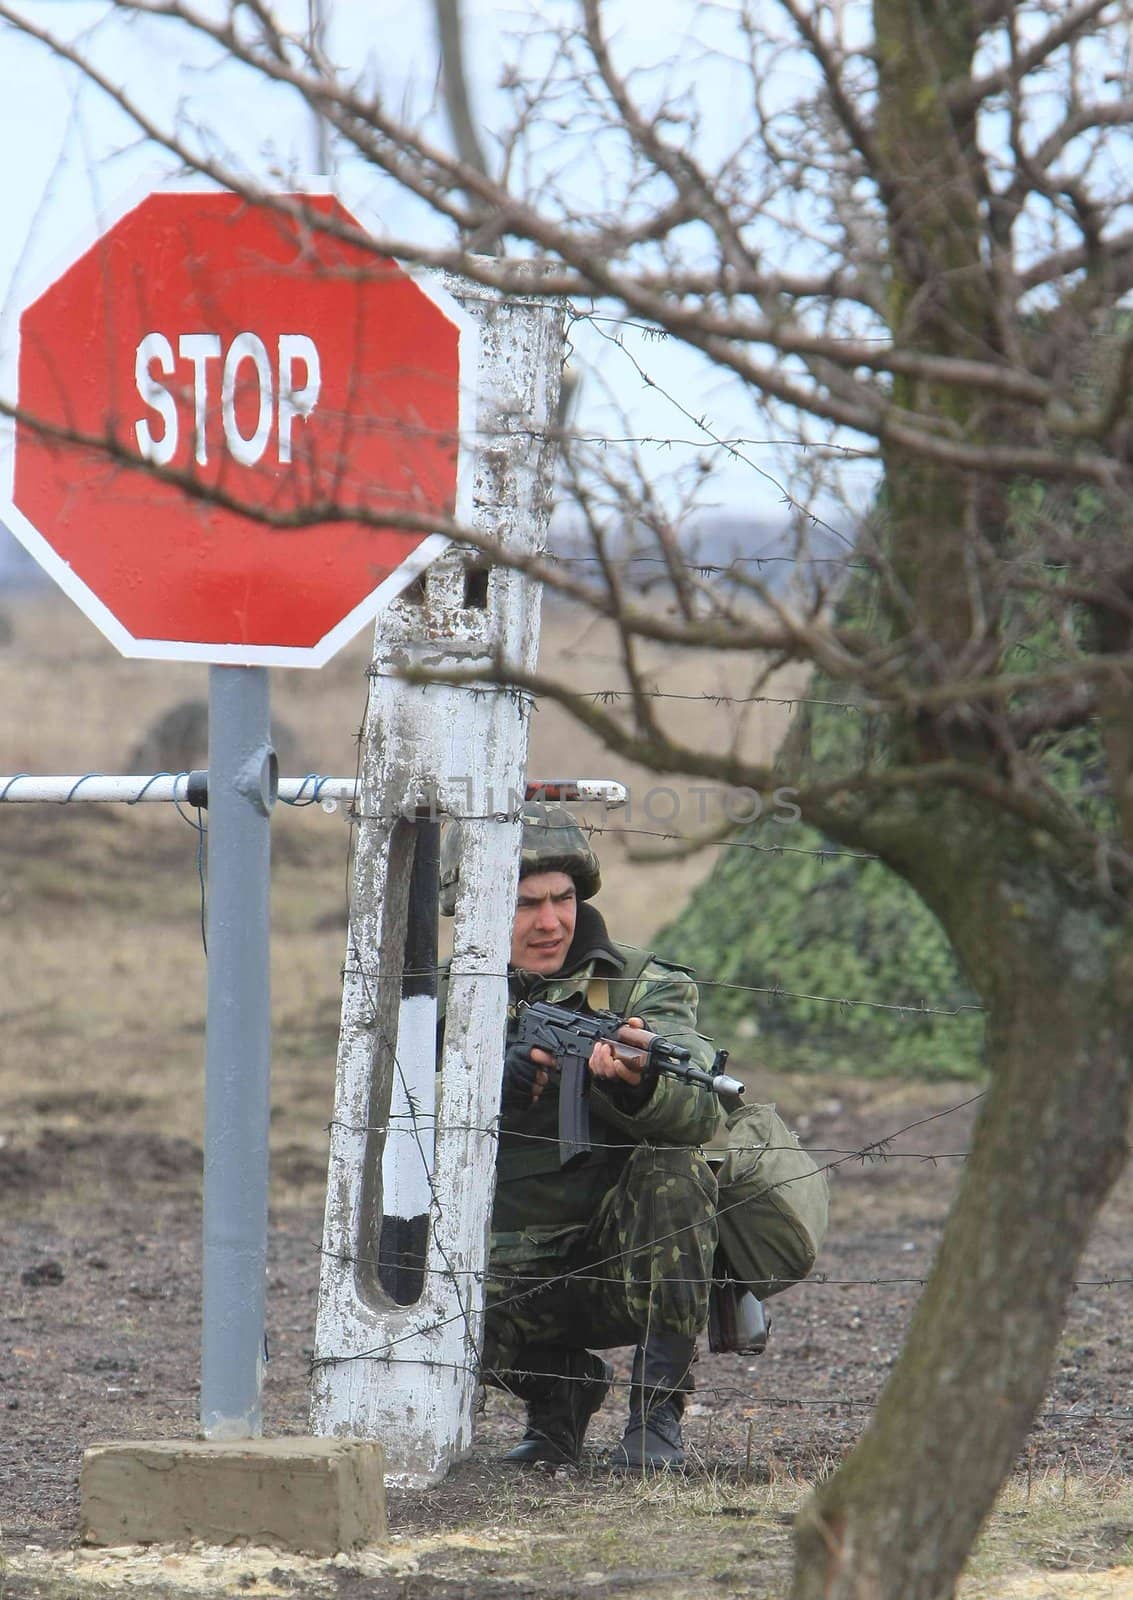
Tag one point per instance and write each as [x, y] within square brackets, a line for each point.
[545, 913]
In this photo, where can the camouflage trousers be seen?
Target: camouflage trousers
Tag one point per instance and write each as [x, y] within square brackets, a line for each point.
[643, 1264]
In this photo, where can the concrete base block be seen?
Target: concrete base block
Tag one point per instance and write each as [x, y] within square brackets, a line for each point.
[318, 1496]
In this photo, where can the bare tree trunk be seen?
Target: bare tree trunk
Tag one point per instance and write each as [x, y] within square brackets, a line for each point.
[454, 76]
[1050, 1142]
[1049, 950]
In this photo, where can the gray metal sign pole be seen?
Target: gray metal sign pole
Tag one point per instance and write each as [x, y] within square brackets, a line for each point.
[242, 788]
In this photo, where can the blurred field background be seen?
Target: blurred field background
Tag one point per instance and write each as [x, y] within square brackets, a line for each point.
[102, 1011]
[102, 1004]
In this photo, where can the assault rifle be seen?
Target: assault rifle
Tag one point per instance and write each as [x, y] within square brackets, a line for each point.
[570, 1036]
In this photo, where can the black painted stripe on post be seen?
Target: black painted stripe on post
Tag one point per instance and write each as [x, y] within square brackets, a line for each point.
[403, 1242]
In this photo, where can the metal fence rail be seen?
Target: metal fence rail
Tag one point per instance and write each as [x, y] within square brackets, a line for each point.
[192, 788]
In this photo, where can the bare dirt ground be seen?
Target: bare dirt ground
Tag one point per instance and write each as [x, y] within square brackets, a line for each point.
[101, 1047]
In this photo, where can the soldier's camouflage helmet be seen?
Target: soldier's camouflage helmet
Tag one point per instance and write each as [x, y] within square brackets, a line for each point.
[553, 841]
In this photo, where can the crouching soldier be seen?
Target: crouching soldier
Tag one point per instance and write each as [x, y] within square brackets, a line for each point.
[617, 1248]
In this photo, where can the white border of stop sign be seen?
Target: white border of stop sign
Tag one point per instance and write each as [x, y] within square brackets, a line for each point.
[288, 375]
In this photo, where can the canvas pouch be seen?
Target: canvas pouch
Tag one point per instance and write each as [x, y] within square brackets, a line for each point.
[773, 1203]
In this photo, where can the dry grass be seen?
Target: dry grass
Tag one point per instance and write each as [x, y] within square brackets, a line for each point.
[103, 1016]
[100, 905]
[1058, 1539]
[1058, 1534]
[74, 705]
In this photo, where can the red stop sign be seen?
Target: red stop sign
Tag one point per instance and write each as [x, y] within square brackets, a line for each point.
[222, 410]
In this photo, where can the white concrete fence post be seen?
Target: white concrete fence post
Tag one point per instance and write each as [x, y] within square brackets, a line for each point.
[406, 1374]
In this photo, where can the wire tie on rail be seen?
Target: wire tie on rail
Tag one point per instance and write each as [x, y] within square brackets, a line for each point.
[78, 783]
[150, 782]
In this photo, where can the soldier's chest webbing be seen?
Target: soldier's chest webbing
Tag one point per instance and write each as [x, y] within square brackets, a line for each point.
[530, 1184]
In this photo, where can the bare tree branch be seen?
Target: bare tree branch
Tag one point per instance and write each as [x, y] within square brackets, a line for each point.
[1070, 25]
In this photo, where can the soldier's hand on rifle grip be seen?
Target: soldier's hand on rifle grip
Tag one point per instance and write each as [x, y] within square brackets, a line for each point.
[625, 1073]
[526, 1073]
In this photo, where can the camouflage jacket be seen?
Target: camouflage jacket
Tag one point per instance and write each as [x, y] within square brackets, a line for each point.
[537, 1203]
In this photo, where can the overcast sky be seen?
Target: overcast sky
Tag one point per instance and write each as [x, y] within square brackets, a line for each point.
[69, 153]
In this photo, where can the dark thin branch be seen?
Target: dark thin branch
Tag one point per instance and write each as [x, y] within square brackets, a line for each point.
[454, 75]
[838, 806]
[966, 97]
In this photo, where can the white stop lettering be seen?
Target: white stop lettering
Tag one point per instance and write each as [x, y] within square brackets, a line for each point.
[285, 390]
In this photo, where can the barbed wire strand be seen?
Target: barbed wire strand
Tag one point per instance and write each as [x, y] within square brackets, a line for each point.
[545, 1284]
[772, 991]
[876, 1150]
[702, 426]
[871, 1152]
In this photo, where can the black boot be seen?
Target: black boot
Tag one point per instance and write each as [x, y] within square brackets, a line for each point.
[563, 1390]
[662, 1376]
